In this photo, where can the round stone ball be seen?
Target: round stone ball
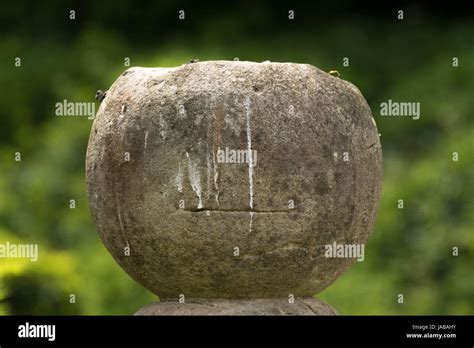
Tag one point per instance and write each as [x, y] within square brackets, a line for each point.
[233, 179]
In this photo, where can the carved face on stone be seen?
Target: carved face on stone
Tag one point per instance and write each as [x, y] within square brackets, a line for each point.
[234, 179]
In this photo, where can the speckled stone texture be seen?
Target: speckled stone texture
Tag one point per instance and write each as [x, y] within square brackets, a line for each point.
[305, 306]
[180, 222]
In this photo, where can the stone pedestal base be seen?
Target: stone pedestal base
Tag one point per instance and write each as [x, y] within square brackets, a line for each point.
[301, 306]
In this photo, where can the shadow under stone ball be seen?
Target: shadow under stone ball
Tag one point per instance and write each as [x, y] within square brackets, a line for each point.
[227, 179]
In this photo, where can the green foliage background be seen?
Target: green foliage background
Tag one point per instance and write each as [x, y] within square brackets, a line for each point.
[410, 252]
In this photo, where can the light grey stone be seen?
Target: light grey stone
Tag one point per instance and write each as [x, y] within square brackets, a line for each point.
[154, 145]
[304, 306]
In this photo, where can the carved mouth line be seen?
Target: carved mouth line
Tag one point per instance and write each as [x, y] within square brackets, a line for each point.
[205, 210]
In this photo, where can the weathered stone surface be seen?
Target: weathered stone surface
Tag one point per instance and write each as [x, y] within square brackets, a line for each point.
[154, 146]
[304, 306]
